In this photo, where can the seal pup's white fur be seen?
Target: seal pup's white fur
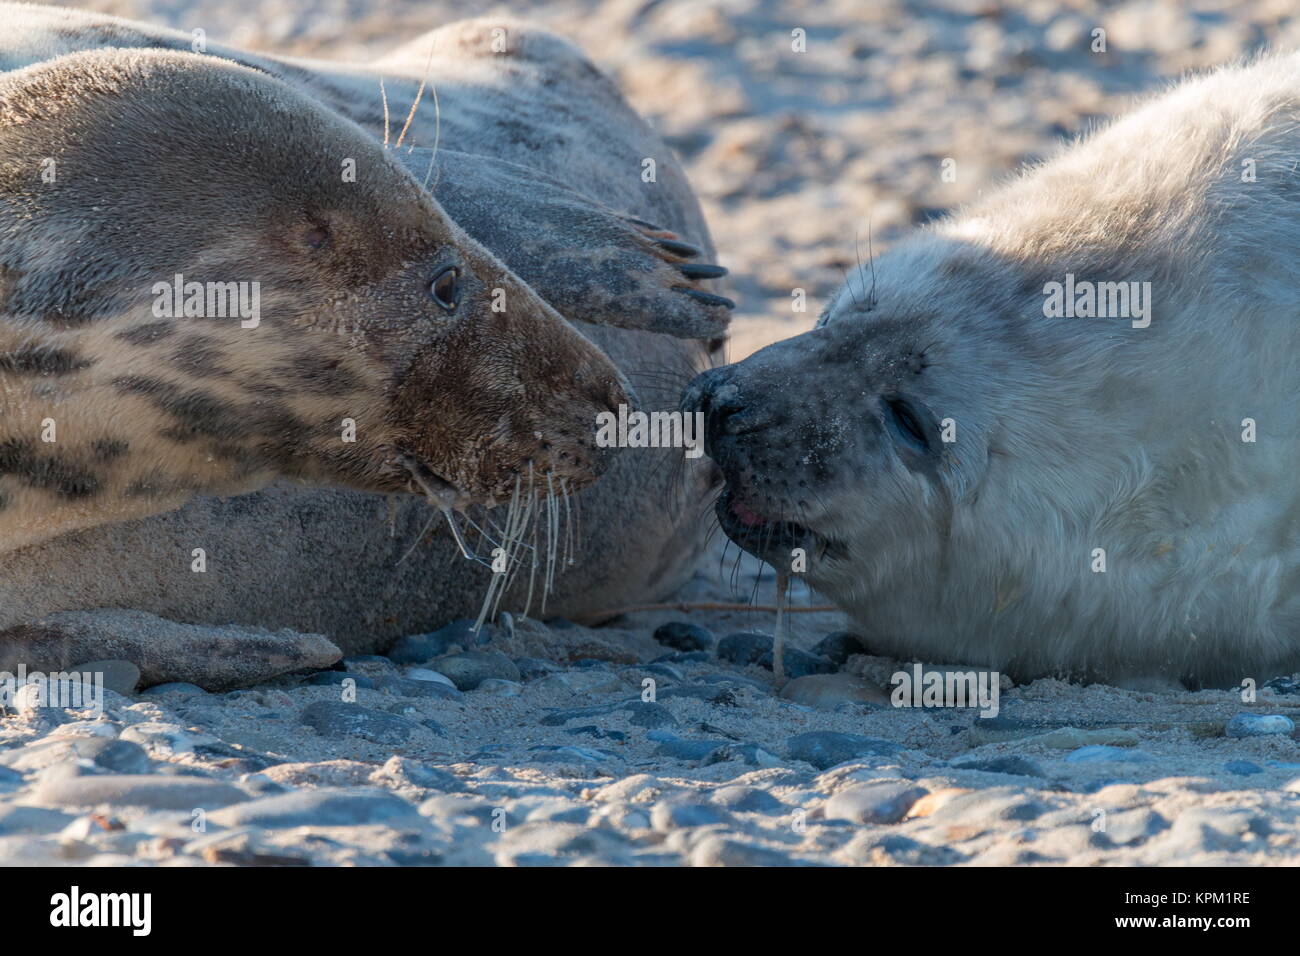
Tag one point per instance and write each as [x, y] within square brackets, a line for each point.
[1072, 434]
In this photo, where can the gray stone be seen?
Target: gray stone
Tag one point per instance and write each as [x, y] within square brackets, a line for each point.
[216, 658]
[684, 636]
[331, 718]
[744, 647]
[825, 748]
[153, 791]
[327, 807]
[799, 663]
[471, 668]
[1010, 763]
[829, 691]
[1099, 753]
[640, 714]
[678, 813]
[1132, 826]
[748, 753]
[839, 646]
[688, 749]
[742, 799]
[122, 677]
[721, 851]
[1259, 725]
[885, 801]
[116, 756]
[422, 648]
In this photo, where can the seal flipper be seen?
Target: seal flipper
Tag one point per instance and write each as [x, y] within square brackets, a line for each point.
[588, 261]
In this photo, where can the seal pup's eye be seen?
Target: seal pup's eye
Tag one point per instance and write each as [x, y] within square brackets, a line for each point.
[445, 288]
[907, 425]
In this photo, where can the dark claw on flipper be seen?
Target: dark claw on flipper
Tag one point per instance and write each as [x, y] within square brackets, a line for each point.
[708, 298]
[679, 248]
[701, 271]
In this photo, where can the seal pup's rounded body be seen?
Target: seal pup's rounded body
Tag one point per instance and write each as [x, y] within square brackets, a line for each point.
[331, 560]
[979, 477]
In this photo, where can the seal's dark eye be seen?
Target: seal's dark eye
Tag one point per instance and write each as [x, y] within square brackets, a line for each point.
[445, 288]
[906, 423]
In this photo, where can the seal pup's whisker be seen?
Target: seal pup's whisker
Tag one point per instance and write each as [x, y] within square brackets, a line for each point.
[419, 537]
[383, 95]
[778, 638]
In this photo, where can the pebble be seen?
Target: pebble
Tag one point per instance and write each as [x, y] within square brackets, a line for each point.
[533, 668]
[640, 714]
[322, 808]
[113, 755]
[745, 647]
[886, 801]
[1099, 753]
[683, 636]
[422, 648]
[721, 851]
[584, 682]
[550, 753]
[423, 673]
[403, 771]
[742, 799]
[678, 812]
[420, 689]
[135, 790]
[1259, 725]
[688, 749]
[1242, 768]
[469, 669]
[826, 748]
[1020, 766]
[336, 679]
[839, 646]
[501, 688]
[121, 677]
[1132, 826]
[829, 691]
[331, 718]
[751, 754]
[217, 658]
[799, 663]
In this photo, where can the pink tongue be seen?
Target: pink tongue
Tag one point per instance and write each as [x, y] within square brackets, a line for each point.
[747, 517]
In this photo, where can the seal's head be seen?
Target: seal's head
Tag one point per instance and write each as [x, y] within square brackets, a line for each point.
[223, 283]
[840, 441]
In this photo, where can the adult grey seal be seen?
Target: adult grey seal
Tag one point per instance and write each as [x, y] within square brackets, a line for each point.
[1058, 433]
[602, 244]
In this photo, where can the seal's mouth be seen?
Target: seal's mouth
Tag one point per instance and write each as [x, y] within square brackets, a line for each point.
[440, 492]
[770, 539]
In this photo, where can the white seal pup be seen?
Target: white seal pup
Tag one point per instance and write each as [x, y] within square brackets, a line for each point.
[1059, 432]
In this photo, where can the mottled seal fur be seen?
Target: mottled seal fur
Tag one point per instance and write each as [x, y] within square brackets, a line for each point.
[536, 129]
[978, 479]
